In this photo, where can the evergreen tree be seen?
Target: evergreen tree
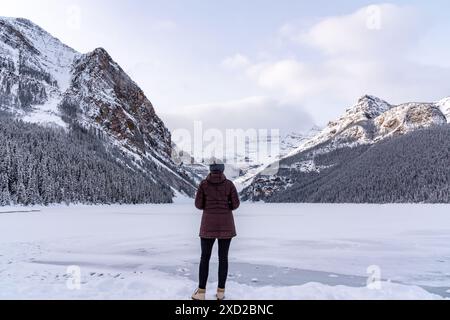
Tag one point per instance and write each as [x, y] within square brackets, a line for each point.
[40, 165]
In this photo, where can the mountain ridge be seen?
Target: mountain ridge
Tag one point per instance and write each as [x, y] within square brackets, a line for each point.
[369, 122]
[46, 82]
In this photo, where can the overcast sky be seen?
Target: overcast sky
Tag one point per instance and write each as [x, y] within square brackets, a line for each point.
[256, 63]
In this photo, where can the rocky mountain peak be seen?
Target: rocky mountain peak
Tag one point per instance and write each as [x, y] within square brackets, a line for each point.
[110, 99]
[444, 106]
[360, 129]
[100, 56]
[408, 117]
[11, 36]
[372, 119]
[44, 81]
[370, 106]
[35, 39]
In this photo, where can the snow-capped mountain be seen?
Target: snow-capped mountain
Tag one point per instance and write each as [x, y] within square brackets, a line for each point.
[294, 140]
[406, 118]
[444, 106]
[286, 145]
[246, 160]
[46, 82]
[35, 71]
[349, 124]
[370, 121]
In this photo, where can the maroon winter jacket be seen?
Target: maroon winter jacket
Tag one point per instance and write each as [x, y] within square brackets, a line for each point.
[217, 197]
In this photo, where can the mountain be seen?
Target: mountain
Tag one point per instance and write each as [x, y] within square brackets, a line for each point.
[354, 124]
[365, 131]
[45, 165]
[43, 81]
[290, 142]
[444, 106]
[245, 153]
[248, 167]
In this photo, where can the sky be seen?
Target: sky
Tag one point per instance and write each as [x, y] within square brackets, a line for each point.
[286, 64]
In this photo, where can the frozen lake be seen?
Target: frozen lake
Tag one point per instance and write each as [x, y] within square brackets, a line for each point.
[283, 251]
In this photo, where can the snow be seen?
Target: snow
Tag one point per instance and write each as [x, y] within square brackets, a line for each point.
[366, 105]
[53, 57]
[293, 140]
[444, 106]
[305, 166]
[380, 113]
[398, 119]
[294, 251]
[261, 150]
[181, 198]
[369, 121]
[56, 56]
[286, 145]
[46, 114]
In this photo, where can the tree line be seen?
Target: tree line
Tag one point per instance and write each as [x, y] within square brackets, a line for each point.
[44, 165]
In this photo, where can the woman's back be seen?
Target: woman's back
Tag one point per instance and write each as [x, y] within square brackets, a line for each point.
[217, 197]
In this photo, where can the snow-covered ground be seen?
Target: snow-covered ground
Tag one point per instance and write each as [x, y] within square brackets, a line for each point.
[283, 251]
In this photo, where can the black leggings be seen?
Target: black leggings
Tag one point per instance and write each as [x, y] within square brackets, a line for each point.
[207, 245]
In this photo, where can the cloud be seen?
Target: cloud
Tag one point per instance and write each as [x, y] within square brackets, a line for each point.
[369, 31]
[282, 74]
[248, 113]
[193, 127]
[369, 51]
[237, 61]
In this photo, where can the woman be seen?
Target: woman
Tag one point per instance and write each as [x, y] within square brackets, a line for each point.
[217, 197]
